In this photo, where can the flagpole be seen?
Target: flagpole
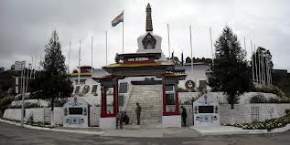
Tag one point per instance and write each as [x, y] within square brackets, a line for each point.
[123, 35]
[79, 72]
[106, 47]
[212, 52]
[69, 51]
[190, 38]
[168, 37]
[259, 65]
[92, 47]
[267, 70]
[22, 92]
[245, 47]
[253, 65]
[263, 69]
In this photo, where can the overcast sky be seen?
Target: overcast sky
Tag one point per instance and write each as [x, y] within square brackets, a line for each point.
[26, 26]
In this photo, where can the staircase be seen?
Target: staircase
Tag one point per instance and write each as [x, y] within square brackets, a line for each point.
[150, 99]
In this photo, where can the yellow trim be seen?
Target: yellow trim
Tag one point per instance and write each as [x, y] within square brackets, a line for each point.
[137, 65]
[81, 74]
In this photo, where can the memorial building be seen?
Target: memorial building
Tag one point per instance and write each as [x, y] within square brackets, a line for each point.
[144, 77]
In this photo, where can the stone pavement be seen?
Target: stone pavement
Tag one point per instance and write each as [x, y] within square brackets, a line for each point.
[220, 130]
[16, 135]
[153, 131]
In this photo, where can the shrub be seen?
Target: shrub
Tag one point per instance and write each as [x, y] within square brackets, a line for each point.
[5, 102]
[287, 111]
[272, 89]
[258, 99]
[267, 124]
[273, 100]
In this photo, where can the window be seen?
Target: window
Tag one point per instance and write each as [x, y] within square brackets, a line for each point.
[110, 98]
[77, 89]
[170, 98]
[94, 89]
[123, 88]
[205, 109]
[82, 81]
[169, 88]
[86, 89]
[76, 111]
[121, 100]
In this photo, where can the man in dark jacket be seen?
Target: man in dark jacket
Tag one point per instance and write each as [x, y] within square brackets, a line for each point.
[138, 112]
[183, 116]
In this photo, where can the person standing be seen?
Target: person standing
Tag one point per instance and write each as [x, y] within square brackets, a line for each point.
[138, 112]
[183, 116]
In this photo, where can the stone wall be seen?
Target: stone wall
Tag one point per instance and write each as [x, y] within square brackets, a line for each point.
[246, 113]
[38, 114]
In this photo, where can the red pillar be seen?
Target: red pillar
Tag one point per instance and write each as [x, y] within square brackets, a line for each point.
[103, 102]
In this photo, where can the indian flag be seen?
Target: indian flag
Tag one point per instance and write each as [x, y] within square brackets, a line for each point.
[118, 19]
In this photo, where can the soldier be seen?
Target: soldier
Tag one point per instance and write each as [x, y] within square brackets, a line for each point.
[183, 116]
[138, 112]
[118, 120]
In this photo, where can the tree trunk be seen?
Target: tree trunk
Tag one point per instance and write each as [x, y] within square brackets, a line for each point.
[52, 112]
[232, 106]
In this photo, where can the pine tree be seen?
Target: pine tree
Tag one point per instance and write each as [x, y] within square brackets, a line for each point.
[230, 72]
[53, 82]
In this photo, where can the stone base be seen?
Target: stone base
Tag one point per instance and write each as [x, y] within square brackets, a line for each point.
[171, 121]
[108, 122]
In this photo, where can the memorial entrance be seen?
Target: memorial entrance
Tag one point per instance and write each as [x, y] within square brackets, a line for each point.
[153, 83]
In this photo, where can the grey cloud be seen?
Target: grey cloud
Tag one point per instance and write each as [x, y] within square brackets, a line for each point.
[27, 25]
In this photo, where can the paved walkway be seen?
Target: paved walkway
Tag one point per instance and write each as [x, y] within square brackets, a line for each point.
[154, 131]
[220, 130]
[15, 135]
[151, 132]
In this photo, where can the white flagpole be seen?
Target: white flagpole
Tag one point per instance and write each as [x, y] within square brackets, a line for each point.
[262, 69]
[28, 77]
[256, 66]
[211, 47]
[106, 47]
[190, 38]
[92, 52]
[69, 51]
[259, 65]
[168, 40]
[253, 62]
[123, 35]
[79, 72]
[23, 93]
[245, 46]
[267, 71]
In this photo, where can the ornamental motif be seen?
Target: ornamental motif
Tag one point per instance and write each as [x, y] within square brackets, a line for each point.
[149, 42]
[190, 85]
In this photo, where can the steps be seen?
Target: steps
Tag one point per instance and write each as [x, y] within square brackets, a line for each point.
[150, 99]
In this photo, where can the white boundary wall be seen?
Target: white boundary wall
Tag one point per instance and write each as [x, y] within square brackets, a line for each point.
[39, 114]
[246, 113]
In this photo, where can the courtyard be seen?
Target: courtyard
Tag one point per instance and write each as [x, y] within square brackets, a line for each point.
[15, 135]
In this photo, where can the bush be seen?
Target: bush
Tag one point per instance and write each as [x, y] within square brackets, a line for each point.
[273, 100]
[5, 102]
[287, 111]
[267, 124]
[258, 99]
[27, 105]
[272, 89]
[263, 99]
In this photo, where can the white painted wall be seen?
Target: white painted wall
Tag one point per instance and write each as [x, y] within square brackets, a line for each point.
[38, 114]
[171, 121]
[108, 122]
[246, 113]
